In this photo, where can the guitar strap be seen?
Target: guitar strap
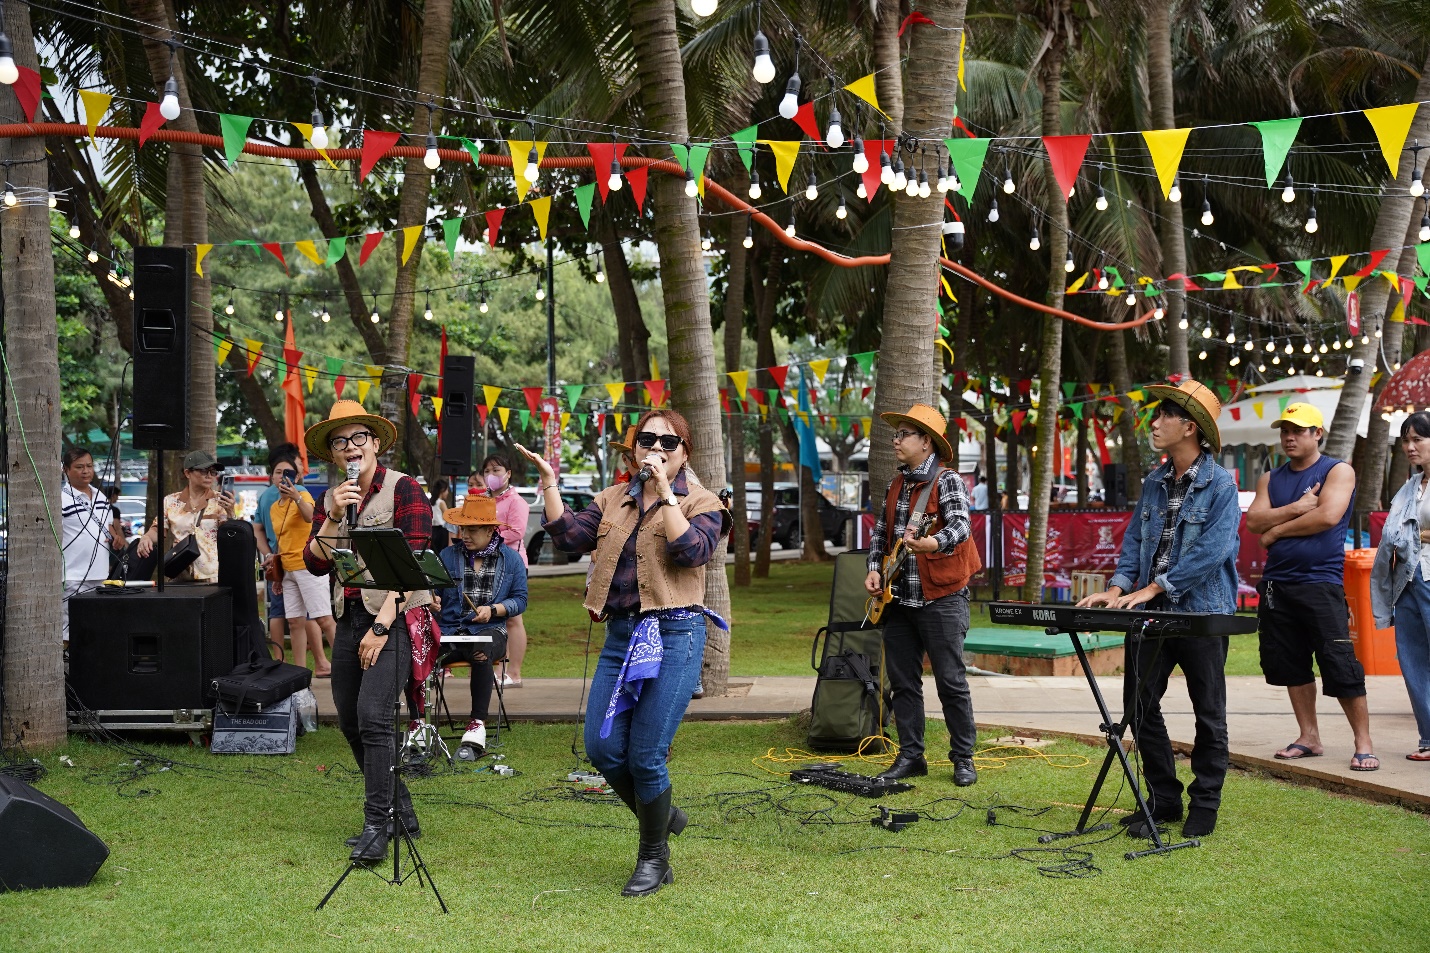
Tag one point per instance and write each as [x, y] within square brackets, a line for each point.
[923, 501]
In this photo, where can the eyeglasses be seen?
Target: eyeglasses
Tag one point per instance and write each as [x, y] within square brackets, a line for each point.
[356, 440]
[211, 471]
[904, 434]
[668, 441]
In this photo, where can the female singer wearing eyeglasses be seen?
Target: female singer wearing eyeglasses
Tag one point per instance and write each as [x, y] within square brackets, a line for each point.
[649, 541]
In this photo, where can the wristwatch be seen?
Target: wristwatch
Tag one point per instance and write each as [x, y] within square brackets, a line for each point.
[379, 629]
[671, 500]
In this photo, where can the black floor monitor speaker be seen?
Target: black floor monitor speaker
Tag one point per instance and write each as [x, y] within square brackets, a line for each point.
[455, 428]
[145, 650]
[237, 561]
[161, 348]
[1114, 482]
[45, 844]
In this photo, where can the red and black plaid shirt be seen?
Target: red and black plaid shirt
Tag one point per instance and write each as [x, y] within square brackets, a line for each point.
[411, 513]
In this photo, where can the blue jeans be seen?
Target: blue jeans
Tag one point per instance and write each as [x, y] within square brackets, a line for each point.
[1412, 648]
[641, 736]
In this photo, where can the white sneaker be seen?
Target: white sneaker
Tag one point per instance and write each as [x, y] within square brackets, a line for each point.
[474, 741]
[508, 682]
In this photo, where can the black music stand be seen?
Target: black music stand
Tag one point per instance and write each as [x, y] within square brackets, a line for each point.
[388, 563]
[1113, 732]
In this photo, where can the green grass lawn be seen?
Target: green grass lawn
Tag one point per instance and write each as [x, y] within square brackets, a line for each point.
[235, 852]
[775, 621]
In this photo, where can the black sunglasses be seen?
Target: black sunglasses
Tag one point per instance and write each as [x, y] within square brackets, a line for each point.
[647, 440]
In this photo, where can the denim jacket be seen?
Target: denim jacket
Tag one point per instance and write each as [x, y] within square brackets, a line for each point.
[510, 588]
[1202, 577]
[1398, 554]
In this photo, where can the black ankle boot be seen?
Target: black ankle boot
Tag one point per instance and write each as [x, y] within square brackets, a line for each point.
[653, 858]
[625, 789]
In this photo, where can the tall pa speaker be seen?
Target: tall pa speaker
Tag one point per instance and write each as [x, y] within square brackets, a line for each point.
[237, 557]
[141, 650]
[161, 348]
[1114, 483]
[46, 845]
[455, 429]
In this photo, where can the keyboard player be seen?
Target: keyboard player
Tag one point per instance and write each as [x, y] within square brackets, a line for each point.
[1179, 555]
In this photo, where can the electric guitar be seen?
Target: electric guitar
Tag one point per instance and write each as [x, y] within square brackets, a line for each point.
[889, 570]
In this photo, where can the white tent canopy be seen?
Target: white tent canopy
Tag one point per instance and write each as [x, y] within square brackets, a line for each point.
[1264, 405]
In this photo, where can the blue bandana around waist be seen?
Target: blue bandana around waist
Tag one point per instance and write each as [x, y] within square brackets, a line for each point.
[643, 658]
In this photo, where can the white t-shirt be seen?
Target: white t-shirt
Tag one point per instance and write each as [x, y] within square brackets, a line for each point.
[86, 521]
[980, 496]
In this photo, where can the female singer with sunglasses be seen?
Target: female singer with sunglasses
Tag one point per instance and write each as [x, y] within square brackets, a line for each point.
[649, 541]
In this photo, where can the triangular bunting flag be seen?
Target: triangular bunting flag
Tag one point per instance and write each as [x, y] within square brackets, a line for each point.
[573, 394]
[541, 210]
[151, 122]
[602, 155]
[310, 252]
[786, 151]
[337, 248]
[451, 231]
[235, 134]
[1392, 125]
[491, 394]
[742, 382]
[779, 374]
[745, 144]
[411, 235]
[804, 119]
[494, 218]
[1276, 138]
[521, 154]
[1066, 154]
[276, 250]
[505, 414]
[437, 410]
[525, 416]
[363, 387]
[95, 104]
[374, 146]
[252, 349]
[1165, 147]
[369, 242]
[820, 368]
[1375, 259]
[585, 195]
[967, 157]
[224, 345]
[29, 87]
[637, 179]
[866, 364]
[310, 376]
[533, 397]
[306, 128]
[617, 392]
[656, 390]
[864, 88]
[200, 251]
[414, 397]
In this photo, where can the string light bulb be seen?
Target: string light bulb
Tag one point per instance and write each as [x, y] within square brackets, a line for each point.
[1323, 349]
[755, 190]
[326, 316]
[811, 189]
[911, 186]
[1235, 360]
[842, 212]
[860, 164]
[430, 159]
[691, 189]
[278, 315]
[834, 134]
[427, 306]
[169, 106]
[540, 289]
[375, 316]
[533, 166]
[1182, 324]
[1069, 265]
[1158, 313]
[705, 244]
[319, 138]
[789, 106]
[764, 68]
[9, 72]
[1231, 337]
[1207, 217]
[1102, 283]
[52, 200]
[886, 168]
[1261, 367]
[1417, 183]
[615, 179]
[1008, 187]
[1288, 191]
[942, 182]
[483, 307]
[1202, 355]
[10, 200]
[901, 181]
[924, 190]
[1035, 242]
[789, 229]
[993, 211]
[1250, 344]
[1101, 202]
[1207, 331]
[1311, 224]
[1289, 349]
[1336, 344]
[861, 191]
[1131, 299]
[600, 275]
[227, 309]
[703, 8]
[749, 241]
[1424, 233]
[1174, 194]
[74, 230]
[93, 256]
[1306, 348]
[1270, 346]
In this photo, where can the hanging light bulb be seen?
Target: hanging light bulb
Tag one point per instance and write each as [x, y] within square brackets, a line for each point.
[811, 189]
[375, 316]
[1182, 324]
[1174, 194]
[993, 211]
[1131, 299]
[834, 135]
[1202, 355]
[924, 190]
[755, 191]
[703, 8]
[10, 200]
[430, 159]
[789, 229]
[1276, 359]
[1250, 344]
[1035, 242]
[1365, 339]
[427, 306]
[600, 275]
[169, 106]
[901, 181]
[764, 68]
[860, 165]
[1008, 187]
[227, 309]
[942, 183]
[1336, 344]
[705, 244]
[319, 138]
[533, 166]
[691, 189]
[1320, 372]
[51, 200]
[842, 212]
[1102, 283]
[1231, 337]
[1311, 224]
[1261, 367]
[1069, 265]
[1207, 216]
[93, 257]
[1101, 202]
[886, 168]
[911, 186]
[1377, 333]
[749, 241]
[9, 72]
[1306, 348]
[483, 307]
[789, 106]
[1207, 331]
[278, 315]
[860, 190]
[325, 317]
[540, 290]
[1315, 358]
[74, 230]
[1288, 192]
[1323, 349]
[1417, 184]
[1289, 348]
[1158, 313]
[1424, 233]
[1271, 345]
[1235, 360]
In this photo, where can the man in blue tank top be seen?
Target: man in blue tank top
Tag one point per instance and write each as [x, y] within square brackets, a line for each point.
[1302, 509]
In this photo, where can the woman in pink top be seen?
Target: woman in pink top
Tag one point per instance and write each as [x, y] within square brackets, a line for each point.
[512, 512]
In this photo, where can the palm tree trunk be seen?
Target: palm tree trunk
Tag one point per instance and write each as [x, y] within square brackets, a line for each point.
[734, 341]
[633, 337]
[1130, 452]
[888, 57]
[1050, 352]
[1161, 101]
[905, 375]
[33, 678]
[694, 390]
[1392, 223]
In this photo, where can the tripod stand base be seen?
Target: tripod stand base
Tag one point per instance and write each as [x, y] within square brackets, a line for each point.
[419, 867]
[1162, 849]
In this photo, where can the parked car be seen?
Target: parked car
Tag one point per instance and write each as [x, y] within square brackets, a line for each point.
[787, 527]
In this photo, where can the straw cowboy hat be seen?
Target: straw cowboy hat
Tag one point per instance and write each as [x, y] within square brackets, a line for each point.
[474, 511]
[624, 444]
[930, 421]
[343, 414]
[1198, 400]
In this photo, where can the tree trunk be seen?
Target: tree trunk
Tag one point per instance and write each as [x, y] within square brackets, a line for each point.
[632, 335]
[888, 61]
[1050, 353]
[734, 341]
[1080, 459]
[694, 390]
[1391, 224]
[1130, 452]
[905, 375]
[33, 680]
[1161, 101]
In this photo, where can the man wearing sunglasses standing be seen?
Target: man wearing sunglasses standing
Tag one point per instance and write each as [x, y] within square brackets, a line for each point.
[926, 506]
[371, 637]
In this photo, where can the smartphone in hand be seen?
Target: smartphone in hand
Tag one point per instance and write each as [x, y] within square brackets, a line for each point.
[226, 484]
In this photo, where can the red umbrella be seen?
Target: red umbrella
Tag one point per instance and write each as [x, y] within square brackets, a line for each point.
[1409, 387]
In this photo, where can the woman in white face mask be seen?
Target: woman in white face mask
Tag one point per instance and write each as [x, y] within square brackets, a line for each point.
[512, 513]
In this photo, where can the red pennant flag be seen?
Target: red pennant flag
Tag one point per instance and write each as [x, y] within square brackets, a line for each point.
[252, 360]
[494, 225]
[602, 154]
[725, 400]
[1187, 282]
[958, 124]
[1066, 154]
[27, 91]
[533, 397]
[1025, 387]
[374, 147]
[151, 122]
[1375, 259]
[779, 374]
[914, 19]
[482, 413]
[873, 148]
[637, 179]
[1235, 412]
[599, 419]
[1018, 417]
[338, 384]
[865, 393]
[805, 120]
[369, 242]
[656, 390]
[276, 250]
[414, 396]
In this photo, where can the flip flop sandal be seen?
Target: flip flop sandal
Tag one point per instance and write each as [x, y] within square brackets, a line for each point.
[1305, 753]
[1359, 759]
[1420, 754]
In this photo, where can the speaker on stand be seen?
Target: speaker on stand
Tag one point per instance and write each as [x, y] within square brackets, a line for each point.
[1114, 483]
[455, 428]
[161, 348]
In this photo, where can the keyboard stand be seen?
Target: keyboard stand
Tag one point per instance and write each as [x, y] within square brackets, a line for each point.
[1113, 732]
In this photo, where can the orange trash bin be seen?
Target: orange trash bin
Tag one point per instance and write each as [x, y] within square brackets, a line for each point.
[1374, 647]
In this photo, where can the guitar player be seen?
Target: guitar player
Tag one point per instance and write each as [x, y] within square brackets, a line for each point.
[929, 612]
[1179, 555]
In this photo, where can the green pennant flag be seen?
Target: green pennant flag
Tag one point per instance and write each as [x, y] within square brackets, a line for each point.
[253, 245]
[784, 414]
[580, 423]
[525, 416]
[573, 394]
[334, 366]
[1216, 277]
[1076, 409]
[698, 155]
[1276, 138]
[474, 149]
[585, 194]
[1304, 267]
[967, 156]
[1283, 401]
[235, 133]
[451, 231]
[1117, 281]
[745, 143]
[1420, 283]
[337, 248]
[1422, 252]
[1151, 291]
[1068, 388]
[1223, 392]
[866, 361]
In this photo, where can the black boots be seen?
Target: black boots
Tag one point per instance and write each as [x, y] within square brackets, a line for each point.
[653, 858]
[371, 847]
[625, 789]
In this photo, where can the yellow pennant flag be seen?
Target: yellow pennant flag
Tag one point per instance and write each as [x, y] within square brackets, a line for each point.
[1095, 388]
[437, 407]
[617, 418]
[654, 368]
[742, 381]
[492, 394]
[411, 234]
[1230, 281]
[520, 153]
[1165, 146]
[864, 88]
[1337, 263]
[868, 423]
[373, 372]
[505, 414]
[786, 151]
[363, 388]
[1258, 406]
[947, 289]
[820, 368]
[310, 374]
[199, 252]
[565, 419]
[962, 45]
[95, 106]
[306, 128]
[1350, 282]
[618, 393]
[1393, 278]
[541, 208]
[1136, 395]
[1076, 286]
[310, 251]
[1392, 125]
[224, 346]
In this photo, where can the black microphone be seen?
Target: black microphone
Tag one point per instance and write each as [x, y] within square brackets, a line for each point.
[354, 468]
[645, 474]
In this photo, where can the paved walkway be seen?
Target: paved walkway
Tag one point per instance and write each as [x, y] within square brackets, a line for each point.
[1258, 716]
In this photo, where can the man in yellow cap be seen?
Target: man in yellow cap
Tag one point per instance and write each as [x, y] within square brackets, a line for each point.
[926, 505]
[1302, 510]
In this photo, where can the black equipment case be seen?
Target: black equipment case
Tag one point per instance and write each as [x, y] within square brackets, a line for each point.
[851, 694]
[259, 684]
